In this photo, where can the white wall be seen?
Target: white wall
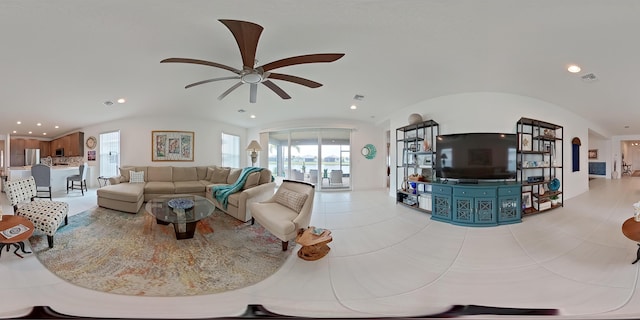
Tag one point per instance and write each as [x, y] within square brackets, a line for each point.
[499, 112]
[135, 139]
[365, 174]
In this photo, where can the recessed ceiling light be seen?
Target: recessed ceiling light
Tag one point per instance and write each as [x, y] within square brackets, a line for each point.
[57, 127]
[19, 122]
[38, 124]
[573, 68]
[353, 107]
[30, 132]
[44, 133]
[122, 100]
[253, 116]
[15, 131]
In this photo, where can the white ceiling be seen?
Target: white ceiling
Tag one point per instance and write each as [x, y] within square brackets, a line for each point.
[60, 60]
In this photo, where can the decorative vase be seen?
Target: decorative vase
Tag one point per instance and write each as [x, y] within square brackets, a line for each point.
[541, 190]
[425, 145]
[415, 118]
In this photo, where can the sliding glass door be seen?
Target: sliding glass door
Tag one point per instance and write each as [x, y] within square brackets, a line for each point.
[318, 156]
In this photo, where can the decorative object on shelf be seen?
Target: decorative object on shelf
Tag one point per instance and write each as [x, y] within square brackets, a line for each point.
[525, 142]
[425, 145]
[91, 142]
[636, 211]
[254, 147]
[549, 133]
[554, 185]
[541, 189]
[172, 145]
[554, 199]
[416, 177]
[415, 118]
[593, 153]
[369, 151]
[526, 200]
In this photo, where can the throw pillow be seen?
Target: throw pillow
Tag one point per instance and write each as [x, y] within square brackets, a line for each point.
[219, 175]
[234, 174]
[136, 177]
[252, 180]
[291, 199]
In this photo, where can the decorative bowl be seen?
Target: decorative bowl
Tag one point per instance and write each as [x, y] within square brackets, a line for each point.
[180, 203]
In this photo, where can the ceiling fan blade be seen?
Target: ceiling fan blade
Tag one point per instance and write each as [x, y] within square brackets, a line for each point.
[224, 94]
[276, 89]
[253, 92]
[247, 35]
[294, 79]
[309, 58]
[207, 81]
[202, 62]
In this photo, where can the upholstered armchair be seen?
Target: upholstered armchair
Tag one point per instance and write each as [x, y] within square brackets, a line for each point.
[288, 211]
[45, 215]
[335, 177]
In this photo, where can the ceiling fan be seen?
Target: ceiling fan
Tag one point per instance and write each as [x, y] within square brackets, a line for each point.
[247, 35]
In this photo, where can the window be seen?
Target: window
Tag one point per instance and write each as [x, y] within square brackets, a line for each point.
[230, 150]
[110, 154]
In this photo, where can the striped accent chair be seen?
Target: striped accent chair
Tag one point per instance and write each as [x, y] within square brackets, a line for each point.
[45, 215]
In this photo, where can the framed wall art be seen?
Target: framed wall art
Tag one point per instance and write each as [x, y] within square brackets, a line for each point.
[172, 145]
[593, 153]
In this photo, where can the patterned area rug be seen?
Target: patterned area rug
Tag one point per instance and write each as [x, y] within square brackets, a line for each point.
[122, 253]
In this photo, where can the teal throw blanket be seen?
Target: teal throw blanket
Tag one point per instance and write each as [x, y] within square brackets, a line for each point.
[222, 193]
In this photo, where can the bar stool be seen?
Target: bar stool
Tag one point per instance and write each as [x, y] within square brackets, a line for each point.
[78, 178]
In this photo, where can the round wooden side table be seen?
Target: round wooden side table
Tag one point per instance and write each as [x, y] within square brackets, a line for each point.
[631, 230]
[314, 246]
[8, 222]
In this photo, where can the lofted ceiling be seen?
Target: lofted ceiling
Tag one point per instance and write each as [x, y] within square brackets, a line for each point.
[62, 60]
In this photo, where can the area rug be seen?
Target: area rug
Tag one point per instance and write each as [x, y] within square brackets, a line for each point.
[122, 253]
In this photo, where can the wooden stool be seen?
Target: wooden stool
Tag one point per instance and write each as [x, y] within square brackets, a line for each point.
[631, 230]
[314, 246]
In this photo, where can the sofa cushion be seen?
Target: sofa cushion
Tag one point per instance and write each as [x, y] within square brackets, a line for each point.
[234, 199]
[124, 173]
[290, 199]
[126, 192]
[252, 180]
[164, 174]
[219, 175]
[234, 174]
[159, 187]
[136, 176]
[202, 172]
[188, 187]
[185, 174]
[265, 176]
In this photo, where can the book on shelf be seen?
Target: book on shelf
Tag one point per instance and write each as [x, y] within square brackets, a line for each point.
[14, 231]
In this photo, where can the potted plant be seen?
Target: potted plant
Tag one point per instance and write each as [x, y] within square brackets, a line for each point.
[554, 199]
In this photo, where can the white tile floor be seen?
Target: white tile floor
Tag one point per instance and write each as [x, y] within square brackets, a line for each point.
[388, 260]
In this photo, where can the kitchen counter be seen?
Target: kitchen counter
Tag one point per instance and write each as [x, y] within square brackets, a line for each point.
[59, 175]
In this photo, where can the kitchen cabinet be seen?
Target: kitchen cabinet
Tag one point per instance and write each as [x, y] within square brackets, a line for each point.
[75, 143]
[45, 149]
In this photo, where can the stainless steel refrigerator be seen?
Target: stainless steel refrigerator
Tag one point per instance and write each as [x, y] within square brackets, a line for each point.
[31, 157]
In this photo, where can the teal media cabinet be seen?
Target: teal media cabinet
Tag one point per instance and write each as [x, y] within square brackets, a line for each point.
[477, 205]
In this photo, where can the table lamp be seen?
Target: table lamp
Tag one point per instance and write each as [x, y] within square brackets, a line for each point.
[254, 147]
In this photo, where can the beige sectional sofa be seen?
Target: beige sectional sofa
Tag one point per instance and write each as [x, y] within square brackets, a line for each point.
[125, 194]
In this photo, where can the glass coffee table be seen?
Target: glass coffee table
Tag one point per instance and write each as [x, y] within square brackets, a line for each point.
[182, 210]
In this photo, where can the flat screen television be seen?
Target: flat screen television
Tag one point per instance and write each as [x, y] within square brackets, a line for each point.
[469, 157]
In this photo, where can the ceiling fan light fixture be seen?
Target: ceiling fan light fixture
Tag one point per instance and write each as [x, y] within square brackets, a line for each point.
[251, 78]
